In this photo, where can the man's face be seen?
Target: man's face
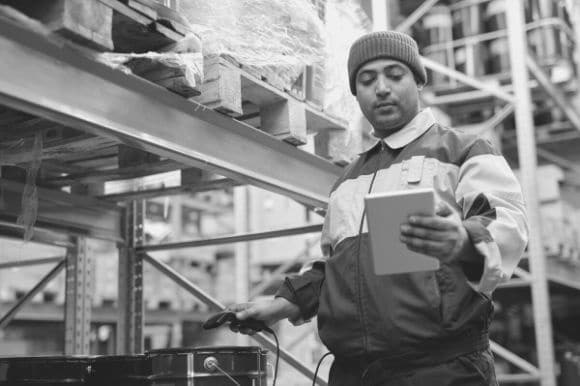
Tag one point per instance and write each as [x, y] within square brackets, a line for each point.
[387, 95]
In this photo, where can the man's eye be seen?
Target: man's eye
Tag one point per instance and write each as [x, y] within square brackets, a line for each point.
[366, 79]
[396, 75]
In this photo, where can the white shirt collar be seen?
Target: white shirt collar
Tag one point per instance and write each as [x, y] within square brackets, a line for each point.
[411, 131]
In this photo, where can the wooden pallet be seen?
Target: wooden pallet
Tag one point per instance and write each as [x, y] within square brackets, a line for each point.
[136, 25]
[145, 25]
[233, 91]
[88, 23]
[122, 26]
[174, 76]
[140, 26]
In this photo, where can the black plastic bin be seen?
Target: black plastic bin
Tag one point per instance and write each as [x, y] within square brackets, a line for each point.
[46, 371]
[192, 366]
[120, 370]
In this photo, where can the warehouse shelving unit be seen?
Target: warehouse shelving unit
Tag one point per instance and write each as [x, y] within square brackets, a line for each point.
[44, 78]
[524, 78]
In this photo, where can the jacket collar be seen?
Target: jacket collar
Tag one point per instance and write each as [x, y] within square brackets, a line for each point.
[410, 132]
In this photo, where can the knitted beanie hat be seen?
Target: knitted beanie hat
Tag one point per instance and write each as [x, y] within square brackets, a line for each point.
[385, 44]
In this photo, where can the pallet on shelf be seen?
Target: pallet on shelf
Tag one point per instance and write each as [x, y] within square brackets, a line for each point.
[105, 25]
[162, 13]
[231, 90]
[172, 75]
[333, 145]
[226, 88]
[88, 23]
[139, 30]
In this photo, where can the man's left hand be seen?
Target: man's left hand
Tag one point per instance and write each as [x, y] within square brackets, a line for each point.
[442, 236]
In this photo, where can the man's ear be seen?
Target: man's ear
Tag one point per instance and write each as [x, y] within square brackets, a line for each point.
[419, 83]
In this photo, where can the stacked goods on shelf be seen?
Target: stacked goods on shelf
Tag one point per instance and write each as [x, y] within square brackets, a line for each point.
[547, 40]
[560, 216]
[263, 64]
[271, 40]
[309, 86]
[549, 34]
[479, 44]
[258, 45]
[88, 23]
[438, 29]
[497, 60]
[467, 23]
[177, 67]
[345, 21]
[145, 35]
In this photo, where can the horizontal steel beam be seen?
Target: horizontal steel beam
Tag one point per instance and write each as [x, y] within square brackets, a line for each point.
[232, 239]
[279, 272]
[262, 338]
[116, 174]
[571, 134]
[222, 183]
[554, 22]
[30, 262]
[54, 312]
[40, 235]
[58, 83]
[64, 212]
[468, 80]
[30, 294]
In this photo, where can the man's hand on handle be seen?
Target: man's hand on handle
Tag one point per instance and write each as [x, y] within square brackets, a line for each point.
[269, 311]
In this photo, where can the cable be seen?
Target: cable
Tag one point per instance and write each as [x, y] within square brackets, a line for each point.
[211, 363]
[277, 354]
[318, 367]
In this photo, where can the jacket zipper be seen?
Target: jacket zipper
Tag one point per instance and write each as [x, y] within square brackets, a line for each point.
[358, 257]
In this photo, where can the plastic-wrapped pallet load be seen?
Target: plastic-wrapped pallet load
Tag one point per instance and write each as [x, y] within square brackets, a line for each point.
[273, 38]
[346, 21]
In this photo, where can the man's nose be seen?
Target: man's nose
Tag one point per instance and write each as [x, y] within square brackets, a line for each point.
[383, 88]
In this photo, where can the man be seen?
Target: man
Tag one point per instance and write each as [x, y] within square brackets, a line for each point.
[421, 328]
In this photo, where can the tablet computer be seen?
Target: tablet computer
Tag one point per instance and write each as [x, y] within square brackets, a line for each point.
[385, 214]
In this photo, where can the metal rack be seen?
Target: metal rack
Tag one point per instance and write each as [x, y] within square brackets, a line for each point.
[520, 89]
[517, 98]
[43, 78]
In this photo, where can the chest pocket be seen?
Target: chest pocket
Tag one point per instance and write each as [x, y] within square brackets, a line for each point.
[418, 171]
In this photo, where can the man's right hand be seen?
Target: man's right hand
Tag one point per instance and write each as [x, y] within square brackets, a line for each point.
[269, 311]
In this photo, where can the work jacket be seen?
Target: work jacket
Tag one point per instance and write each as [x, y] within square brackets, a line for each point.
[361, 314]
